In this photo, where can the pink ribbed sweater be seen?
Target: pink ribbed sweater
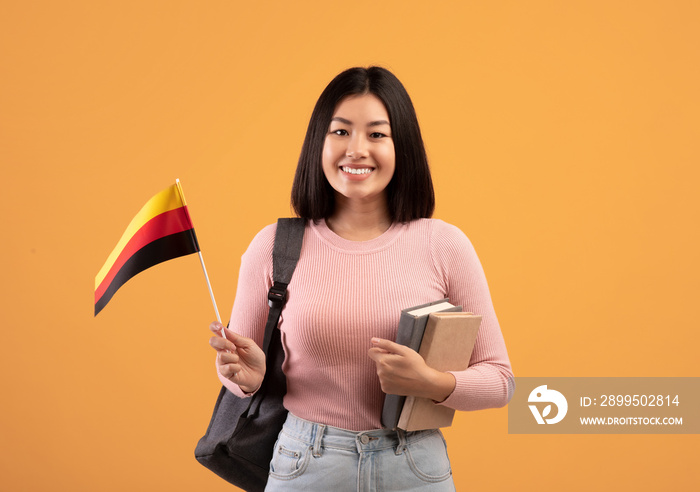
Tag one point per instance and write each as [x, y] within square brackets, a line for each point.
[344, 292]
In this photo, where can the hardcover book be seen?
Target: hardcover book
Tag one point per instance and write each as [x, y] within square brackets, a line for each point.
[410, 333]
[447, 345]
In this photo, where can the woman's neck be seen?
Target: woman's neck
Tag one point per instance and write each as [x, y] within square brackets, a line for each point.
[359, 221]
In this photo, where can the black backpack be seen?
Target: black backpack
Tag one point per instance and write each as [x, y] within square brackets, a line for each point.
[239, 442]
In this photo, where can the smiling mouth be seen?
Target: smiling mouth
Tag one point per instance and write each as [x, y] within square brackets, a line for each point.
[352, 170]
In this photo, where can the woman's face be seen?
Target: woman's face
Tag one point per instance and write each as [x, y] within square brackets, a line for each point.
[358, 153]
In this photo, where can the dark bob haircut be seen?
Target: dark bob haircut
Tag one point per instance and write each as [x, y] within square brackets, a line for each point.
[410, 192]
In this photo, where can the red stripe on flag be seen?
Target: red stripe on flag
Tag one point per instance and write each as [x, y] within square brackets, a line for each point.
[165, 224]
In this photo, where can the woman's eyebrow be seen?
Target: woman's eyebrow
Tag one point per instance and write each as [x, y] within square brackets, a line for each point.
[379, 123]
[371, 123]
[342, 120]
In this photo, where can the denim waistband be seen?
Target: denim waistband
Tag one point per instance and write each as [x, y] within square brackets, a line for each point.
[320, 436]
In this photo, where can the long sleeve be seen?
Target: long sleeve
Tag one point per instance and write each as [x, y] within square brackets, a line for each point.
[343, 293]
[488, 382]
[250, 309]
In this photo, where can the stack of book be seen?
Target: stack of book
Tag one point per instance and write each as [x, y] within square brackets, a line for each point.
[444, 336]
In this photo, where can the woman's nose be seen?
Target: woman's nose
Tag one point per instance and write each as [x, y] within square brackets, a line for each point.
[357, 148]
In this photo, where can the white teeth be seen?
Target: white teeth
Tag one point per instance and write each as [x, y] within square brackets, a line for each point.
[364, 170]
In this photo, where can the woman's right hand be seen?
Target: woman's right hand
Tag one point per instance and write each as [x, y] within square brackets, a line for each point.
[238, 358]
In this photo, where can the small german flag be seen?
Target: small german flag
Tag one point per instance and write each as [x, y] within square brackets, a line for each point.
[161, 231]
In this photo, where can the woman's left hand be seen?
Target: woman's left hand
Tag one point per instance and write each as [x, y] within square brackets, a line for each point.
[402, 371]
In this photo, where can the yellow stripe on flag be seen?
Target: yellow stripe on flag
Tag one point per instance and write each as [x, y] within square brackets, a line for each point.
[166, 200]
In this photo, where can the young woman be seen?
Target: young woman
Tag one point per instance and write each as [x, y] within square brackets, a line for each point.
[370, 250]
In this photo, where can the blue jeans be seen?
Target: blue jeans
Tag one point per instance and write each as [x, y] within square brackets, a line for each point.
[313, 457]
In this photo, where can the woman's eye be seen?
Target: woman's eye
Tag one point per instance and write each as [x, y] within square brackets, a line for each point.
[339, 132]
[377, 135]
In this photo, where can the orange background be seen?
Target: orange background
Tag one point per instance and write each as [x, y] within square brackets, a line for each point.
[563, 138]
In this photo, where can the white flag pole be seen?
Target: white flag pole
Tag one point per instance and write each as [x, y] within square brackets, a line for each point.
[211, 292]
[201, 260]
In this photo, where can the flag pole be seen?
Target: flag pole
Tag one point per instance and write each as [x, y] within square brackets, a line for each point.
[201, 259]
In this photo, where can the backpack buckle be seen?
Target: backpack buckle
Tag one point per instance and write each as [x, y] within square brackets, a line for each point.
[277, 295]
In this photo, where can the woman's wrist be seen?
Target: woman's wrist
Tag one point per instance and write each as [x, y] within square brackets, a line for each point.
[245, 389]
[440, 386]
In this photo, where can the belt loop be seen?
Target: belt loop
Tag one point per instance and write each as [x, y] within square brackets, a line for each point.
[401, 447]
[318, 440]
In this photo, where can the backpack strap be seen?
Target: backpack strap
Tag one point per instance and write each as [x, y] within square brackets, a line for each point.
[285, 255]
